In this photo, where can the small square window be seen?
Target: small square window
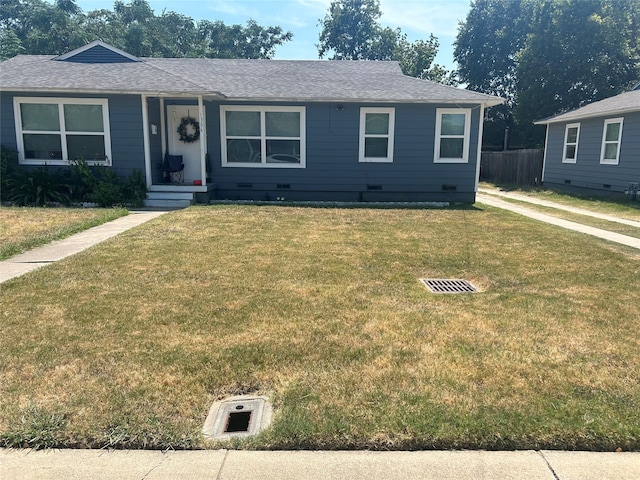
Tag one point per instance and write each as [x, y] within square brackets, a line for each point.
[453, 127]
[376, 134]
[571, 135]
[611, 136]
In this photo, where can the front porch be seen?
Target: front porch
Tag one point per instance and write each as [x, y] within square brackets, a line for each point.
[175, 195]
[176, 126]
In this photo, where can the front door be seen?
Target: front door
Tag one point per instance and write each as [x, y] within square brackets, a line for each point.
[190, 151]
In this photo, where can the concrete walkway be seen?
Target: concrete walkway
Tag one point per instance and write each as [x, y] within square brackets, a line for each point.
[320, 465]
[577, 227]
[54, 251]
[558, 206]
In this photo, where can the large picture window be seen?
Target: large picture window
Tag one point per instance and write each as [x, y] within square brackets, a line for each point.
[453, 126]
[376, 134]
[271, 137]
[571, 136]
[55, 131]
[611, 136]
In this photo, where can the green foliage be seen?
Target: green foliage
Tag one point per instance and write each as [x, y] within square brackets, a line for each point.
[577, 52]
[109, 190]
[547, 56]
[350, 30]
[79, 183]
[134, 189]
[37, 428]
[82, 181]
[37, 187]
[38, 27]
[235, 41]
[8, 169]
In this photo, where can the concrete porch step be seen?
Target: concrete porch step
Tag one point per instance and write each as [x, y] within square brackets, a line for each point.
[169, 199]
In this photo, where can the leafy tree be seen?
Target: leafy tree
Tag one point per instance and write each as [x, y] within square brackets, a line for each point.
[235, 41]
[39, 27]
[350, 30]
[486, 50]
[577, 52]
[546, 56]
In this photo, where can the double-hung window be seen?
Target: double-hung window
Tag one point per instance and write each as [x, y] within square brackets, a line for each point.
[611, 135]
[270, 137]
[55, 131]
[376, 134]
[453, 127]
[571, 136]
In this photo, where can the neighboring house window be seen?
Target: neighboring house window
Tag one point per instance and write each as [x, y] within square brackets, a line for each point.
[376, 134]
[610, 153]
[571, 134]
[54, 131]
[271, 137]
[453, 127]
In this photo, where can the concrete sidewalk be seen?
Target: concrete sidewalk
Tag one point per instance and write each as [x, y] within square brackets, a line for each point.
[54, 251]
[316, 465]
[577, 227]
[557, 206]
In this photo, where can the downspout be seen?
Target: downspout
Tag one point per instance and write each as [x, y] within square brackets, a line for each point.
[145, 137]
[479, 158]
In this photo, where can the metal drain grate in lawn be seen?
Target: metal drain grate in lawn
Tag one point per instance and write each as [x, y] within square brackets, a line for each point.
[446, 285]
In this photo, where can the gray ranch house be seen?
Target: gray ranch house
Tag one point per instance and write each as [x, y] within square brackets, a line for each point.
[247, 129]
[595, 149]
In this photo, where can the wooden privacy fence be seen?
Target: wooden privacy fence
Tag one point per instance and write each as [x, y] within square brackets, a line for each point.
[519, 167]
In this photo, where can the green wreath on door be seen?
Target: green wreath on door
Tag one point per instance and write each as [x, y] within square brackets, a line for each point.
[183, 130]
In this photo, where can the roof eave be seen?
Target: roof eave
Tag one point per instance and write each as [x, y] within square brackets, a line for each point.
[110, 91]
[559, 119]
[486, 103]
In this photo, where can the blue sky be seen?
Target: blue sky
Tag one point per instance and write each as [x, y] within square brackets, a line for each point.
[416, 18]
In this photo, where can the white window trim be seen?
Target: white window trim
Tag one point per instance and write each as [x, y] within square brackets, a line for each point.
[607, 122]
[466, 137]
[62, 132]
[263, 136]
[565, 159]
[390, 136]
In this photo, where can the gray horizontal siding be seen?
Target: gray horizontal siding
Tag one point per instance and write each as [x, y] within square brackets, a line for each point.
[587, 173]
[7, 126]
[332, 166]
[98, 54]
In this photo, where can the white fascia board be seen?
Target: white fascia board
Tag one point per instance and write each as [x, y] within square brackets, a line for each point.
[149, 93]
[359, 100]
[608, 113]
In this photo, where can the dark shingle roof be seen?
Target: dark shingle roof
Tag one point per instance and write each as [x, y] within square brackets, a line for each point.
[623, 103]
[287, 80]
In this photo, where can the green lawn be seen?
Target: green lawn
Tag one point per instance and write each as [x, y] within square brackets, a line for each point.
[23, 228]
[128, 344]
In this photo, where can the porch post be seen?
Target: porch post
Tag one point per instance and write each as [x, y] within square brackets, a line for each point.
[145, 136]
[163, 128]
[203, 140]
